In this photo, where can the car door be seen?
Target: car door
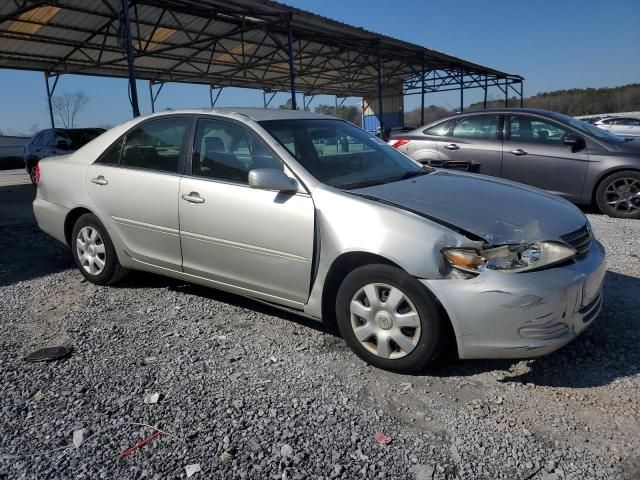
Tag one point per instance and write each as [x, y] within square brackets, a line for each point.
[257, 241]
[135, 186]
[475, 143]
[535, 153]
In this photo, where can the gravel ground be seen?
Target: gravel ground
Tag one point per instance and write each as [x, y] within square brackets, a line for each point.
[246, 391]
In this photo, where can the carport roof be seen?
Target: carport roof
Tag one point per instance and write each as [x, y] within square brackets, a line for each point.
[241, 43]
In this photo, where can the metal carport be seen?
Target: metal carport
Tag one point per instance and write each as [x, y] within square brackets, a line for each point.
[258, 44]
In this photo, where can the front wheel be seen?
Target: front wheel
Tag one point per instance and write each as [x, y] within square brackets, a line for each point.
[389, 319]
[32, 174]
[619, 195]
[93, 251]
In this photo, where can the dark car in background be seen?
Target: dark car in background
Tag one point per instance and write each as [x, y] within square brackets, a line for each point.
[52, 142]
[548, 150]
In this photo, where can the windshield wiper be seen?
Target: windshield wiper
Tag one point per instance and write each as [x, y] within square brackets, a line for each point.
[364, 183]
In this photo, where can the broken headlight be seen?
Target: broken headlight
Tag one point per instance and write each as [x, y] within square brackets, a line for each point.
[509, 258]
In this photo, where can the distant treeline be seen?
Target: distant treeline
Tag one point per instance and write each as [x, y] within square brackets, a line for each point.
[574, 102]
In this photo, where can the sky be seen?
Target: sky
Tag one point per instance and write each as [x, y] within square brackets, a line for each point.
[554, 44]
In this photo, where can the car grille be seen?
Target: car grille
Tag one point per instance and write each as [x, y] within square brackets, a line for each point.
[580, 240]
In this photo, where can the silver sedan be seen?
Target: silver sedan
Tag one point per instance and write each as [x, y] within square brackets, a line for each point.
[310, 213]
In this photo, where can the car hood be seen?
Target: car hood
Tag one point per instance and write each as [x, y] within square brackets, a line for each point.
[630, 146]
[496, 210]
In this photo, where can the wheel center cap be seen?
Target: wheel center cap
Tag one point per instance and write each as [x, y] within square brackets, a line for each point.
[384, 320]
[92, 250]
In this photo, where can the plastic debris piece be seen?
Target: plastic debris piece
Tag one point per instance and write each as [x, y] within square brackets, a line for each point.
[49, 354]
[79, 436]
[192, 469]
[381, 438]
[141, 443]
[151, 398]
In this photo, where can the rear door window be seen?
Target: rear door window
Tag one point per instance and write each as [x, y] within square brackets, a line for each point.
[481, 127]
[438, 130]
[156, 144]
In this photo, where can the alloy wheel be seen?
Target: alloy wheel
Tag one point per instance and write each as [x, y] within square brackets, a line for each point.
[623, 195]
[91, 250]
[385, 321]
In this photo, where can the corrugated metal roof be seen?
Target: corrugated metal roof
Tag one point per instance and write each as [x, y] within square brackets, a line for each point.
[217, 42]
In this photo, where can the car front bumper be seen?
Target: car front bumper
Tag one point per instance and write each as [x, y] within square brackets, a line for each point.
[520, 315]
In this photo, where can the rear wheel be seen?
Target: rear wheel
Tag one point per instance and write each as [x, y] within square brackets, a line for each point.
[93, 251]
[32, 174]
[389, 319]
[619, 195]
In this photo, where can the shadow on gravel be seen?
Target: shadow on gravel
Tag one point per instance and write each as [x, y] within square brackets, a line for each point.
[609, 350]
[150, 280]
[28, 253]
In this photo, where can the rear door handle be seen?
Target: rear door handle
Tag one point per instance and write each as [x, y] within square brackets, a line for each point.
[518, 152]
[452, 146]
[99, 180]
[193, 197]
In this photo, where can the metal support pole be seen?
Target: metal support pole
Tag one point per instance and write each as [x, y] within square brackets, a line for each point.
[461, 91]
[50, 91]
[422, 95]
[215, 100]
[336, 110]
[129, 48]
[292, 68]
[506, 93]
[484, 102]
[153, 102]
[153, 96]
[521, 95]
[380, 99]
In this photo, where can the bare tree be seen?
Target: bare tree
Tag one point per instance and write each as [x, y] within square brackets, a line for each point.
[68, 105]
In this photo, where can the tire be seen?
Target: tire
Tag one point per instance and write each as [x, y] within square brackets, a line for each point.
[93, 252]
[420, 340]
[618, 195]
[32, 174]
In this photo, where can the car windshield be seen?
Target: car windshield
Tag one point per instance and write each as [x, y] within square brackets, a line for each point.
[589, 129]
[340, 154]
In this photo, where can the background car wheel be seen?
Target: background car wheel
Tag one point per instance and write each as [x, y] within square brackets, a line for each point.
[389, 319]
[619, 195]
[32, 174]
[93, 251]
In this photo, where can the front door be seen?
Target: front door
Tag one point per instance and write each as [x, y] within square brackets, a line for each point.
[135, 186]
[473, 143]
[535, 154]
[255, 241]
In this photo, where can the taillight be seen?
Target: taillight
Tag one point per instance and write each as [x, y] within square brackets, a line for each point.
[37, 175]
[398, 142]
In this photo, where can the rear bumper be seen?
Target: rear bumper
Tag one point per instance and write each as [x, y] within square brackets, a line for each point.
[50, 218]
[500, 315]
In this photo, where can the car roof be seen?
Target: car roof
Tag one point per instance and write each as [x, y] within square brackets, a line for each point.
[256, 114]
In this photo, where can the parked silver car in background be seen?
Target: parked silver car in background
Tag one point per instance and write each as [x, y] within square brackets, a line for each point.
[621, 126]
[313, 214]
[548, 150]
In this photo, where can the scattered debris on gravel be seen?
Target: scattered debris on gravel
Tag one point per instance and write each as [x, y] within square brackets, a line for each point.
[244, 391]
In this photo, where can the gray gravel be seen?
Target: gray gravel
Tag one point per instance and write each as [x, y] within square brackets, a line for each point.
[246, 391]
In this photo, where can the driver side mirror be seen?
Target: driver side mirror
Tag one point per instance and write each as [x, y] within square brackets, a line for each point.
[272, 179]
[571, 139]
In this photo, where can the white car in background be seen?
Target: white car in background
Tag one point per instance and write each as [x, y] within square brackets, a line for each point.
[621, 126]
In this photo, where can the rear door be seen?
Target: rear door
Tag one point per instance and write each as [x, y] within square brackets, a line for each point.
[135, 186]
[256, 241]
[535, 154]
[474, 143]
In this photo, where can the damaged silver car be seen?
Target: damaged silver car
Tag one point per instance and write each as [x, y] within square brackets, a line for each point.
[311, 213]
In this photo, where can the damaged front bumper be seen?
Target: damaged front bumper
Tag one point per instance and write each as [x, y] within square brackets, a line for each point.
[519, 315]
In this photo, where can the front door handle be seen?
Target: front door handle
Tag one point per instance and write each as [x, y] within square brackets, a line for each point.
[193, 197]
[99, 180]
[518, 152]
[452, 146]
